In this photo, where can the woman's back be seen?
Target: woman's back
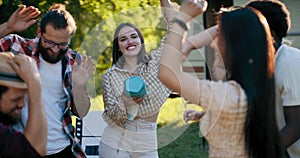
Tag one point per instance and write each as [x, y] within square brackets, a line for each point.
[239, 120]
[225, 104]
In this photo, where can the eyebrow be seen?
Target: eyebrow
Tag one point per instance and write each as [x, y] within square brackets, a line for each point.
[123, 36]
[46, 39]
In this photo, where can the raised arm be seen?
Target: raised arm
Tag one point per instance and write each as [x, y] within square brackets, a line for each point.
[169, 72]
[80, 75]
[168, 10]
[20, 20]
[199, 40]
[36, 128]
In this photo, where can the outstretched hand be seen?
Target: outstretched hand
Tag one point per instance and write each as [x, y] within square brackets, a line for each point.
[191, 8]
[192, 115]
[168, 11]
[83, 71]
[22, 18]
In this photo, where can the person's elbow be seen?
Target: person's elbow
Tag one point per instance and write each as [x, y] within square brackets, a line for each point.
[41, 147]
[81, 114]
[43, 151]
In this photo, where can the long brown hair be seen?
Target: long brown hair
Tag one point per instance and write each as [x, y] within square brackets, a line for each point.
[250, 60]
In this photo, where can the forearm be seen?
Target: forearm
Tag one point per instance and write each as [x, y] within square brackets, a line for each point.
[36, 128]
[114, 108]
[203, 38]
[186, 85]
[116, 113]
[81, 101]
[290, 133]
[289, 136]
[172, 57]
[4, 30]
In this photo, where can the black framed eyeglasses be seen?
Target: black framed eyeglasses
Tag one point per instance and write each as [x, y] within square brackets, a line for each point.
[51, 44]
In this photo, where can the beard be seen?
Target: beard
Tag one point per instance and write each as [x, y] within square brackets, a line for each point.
[8, 119]
[49, 58]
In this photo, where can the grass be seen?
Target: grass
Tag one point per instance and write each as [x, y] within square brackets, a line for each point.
[187, 145]
[176, 138]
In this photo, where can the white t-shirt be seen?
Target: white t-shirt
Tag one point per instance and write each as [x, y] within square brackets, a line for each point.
[287, 78]
[55, 101]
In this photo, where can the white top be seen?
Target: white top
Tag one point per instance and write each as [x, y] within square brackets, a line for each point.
[287, 78]
[55, 101]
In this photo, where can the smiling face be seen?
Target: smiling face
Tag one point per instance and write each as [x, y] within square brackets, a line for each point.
[53, 43]
[11, 103]
[129, 42]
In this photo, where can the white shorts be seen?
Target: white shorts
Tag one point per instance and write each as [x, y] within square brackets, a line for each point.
[137, 138]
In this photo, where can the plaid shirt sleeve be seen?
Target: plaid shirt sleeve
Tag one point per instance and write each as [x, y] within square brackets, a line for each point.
[114, 110]
[17, 44]
[77, 150]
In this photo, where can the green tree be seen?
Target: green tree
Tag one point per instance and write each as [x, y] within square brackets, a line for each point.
[96, 22]
[103, 18]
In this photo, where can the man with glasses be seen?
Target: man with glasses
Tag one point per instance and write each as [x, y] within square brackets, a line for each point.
[64, 73]
[50, 44]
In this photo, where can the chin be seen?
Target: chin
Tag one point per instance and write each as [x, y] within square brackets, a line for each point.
[131, 53]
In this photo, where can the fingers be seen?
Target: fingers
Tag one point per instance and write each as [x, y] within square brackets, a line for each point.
[24, 67]
[21, 7]
[138, 100]
[192, 8]
[27, 15]
[88, 64]
[29, 12]
[129, 101]
[91, 65]
[14, 65]
[187, 115]
[31, 22]
[192, 115]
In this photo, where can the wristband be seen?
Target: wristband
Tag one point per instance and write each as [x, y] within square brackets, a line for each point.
[180, 23]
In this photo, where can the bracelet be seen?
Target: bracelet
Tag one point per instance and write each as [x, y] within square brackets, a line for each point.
[181, 23]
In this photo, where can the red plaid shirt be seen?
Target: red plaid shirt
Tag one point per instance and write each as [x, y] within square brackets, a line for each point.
[17, 44]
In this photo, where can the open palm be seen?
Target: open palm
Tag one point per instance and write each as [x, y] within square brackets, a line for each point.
[83, 71]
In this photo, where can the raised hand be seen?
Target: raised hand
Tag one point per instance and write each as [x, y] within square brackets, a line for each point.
[168, 11]
[26, 68]
[81, 73]
[22, 18]
[192, 115]
[191, 8]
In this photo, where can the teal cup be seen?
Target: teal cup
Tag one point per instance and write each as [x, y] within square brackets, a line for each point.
[134, 87]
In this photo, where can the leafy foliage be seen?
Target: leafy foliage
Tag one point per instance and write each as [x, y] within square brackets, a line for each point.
[96, 22]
